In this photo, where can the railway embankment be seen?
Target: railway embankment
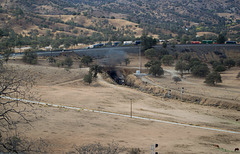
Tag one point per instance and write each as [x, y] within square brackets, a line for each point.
[148, 86]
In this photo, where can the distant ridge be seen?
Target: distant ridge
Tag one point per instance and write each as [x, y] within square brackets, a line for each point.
[167, 18]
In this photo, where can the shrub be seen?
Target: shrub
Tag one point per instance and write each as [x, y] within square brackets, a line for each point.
[164, 45]
[1, 64]
[220, 68]
[221, 39]
[86, 60]
[135, 151]
[176, 79]
[127, 61]
[51, 60]
[75, 31]
[150, 53]
[167, 60]
[95, 69]
[193, 62]
[156, 70]
[238, 76]
[162, 52]
[153, 62]
[60, 63]
[68, 61]
[229, 63]
[98, 148]
[200, 70]
[215, 64]
[80, 65]
[30, 57]
[238, 62]
[88, 78]
[147, 42]
[181, 66]
[187, 57]
[213, 78]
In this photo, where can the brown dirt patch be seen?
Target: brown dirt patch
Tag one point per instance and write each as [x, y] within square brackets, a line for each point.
[63, 128]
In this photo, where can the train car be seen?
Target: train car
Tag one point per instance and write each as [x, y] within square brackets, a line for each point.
[196, 42]
[116, 43]
[207, 41]
[137, 42]
[230, 42]
[127, 42]
[90, 47]
[98, 45]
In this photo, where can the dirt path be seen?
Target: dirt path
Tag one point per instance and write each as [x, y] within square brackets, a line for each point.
[117, 114]
[68, 82]
[175, 73]
[228, 90]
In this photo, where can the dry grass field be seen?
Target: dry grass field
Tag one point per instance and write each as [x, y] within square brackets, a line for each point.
[206, 33]
[63, 128]
[228, 89]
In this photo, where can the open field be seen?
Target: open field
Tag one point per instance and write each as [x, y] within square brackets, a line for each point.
[64, 128]
[228, 90]
[225, 94]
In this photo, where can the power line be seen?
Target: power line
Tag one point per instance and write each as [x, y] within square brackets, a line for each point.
[122, 115]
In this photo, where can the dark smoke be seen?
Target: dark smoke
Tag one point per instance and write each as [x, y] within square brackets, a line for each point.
[113, 58]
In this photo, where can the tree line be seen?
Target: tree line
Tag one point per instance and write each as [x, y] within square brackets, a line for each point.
[186, 63]
[201, 69]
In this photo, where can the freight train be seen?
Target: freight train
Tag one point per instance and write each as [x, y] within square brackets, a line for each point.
[211, 42]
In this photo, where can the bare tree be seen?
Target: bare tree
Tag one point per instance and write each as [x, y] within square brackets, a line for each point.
[18, 144]
[14, 86]
[97, 148]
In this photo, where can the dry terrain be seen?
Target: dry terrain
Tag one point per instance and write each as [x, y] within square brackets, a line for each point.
[64, 128]
[227, 90]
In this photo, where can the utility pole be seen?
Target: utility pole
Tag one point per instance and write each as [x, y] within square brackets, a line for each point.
[169, 93]
[182, 91]
[140, 59]
[131, 109]
[153, 147]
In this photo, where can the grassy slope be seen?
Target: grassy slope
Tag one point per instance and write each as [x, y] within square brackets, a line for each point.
[161, 10]
[24, 27]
